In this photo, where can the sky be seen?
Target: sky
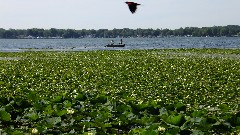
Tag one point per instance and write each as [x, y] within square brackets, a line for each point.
[110, 14]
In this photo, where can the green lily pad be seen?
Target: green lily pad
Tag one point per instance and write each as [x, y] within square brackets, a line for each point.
[175, 120]
[5, 116]
[81, 97]
[53, 121]
[33, 116]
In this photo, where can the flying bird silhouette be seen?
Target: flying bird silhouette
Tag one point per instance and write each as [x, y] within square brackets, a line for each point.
[132, 6]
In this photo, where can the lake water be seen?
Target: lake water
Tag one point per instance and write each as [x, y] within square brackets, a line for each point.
[13, 45]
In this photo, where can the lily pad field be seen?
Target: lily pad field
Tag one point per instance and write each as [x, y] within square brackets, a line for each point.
[146, 92]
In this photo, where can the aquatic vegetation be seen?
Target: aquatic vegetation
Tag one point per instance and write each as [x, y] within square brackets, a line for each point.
[172, 91]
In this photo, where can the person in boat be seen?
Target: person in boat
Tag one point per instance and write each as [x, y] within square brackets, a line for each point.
[121, 41]
[112, 42]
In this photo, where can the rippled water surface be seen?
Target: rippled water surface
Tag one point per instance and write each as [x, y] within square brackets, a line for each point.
[11, 45]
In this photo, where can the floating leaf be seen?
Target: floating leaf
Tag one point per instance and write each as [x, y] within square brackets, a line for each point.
[102, 99]
[48, 110]
[61, 112]
[235, 120]
[172, 131]
[67, 104]
[175, 120]
[57, 99]
[53, 121]
[81, 97]
[197, 132]
[197, 114]
[5, 116]
[224, 107]
[32, 116]
[180, 107]
[149, 132]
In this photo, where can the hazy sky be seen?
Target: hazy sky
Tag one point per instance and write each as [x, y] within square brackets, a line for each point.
[109, 14]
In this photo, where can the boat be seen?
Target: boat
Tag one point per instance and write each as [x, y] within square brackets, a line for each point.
[115, 45]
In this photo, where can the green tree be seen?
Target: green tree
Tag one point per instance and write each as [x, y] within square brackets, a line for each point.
[46, 33]
[2, 31]
[54, 32]
[156, 33]
[165, 32]
[197, 33]
[70, 33]
[215, 31]
[224, 31]
[11, 33]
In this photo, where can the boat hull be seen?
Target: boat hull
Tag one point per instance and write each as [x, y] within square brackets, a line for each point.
[116, 45]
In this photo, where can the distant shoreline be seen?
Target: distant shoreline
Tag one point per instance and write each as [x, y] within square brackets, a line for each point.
[53, 33]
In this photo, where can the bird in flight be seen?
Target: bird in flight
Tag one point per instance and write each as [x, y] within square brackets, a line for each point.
[132, 6]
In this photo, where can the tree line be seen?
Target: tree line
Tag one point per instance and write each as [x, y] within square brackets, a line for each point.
[215, 31]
